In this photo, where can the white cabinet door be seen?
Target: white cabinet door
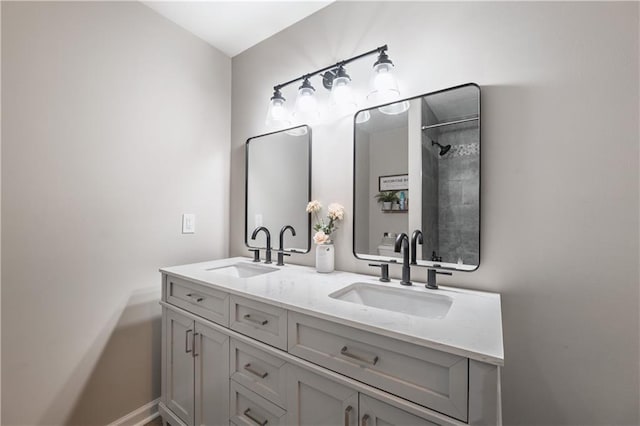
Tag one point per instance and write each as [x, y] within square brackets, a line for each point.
[211, 354]
[315, 400]
[179, 368]
[378, 413]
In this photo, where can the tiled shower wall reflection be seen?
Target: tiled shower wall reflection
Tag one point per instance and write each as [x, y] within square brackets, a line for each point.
[450, 194]
[458, 195]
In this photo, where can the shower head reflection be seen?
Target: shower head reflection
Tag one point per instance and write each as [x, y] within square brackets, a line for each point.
[443, 149]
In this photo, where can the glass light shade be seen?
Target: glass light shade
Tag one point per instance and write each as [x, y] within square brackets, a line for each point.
[277, 113]
[342, 96]
[383, 79]
[306, 109]
[384, 89]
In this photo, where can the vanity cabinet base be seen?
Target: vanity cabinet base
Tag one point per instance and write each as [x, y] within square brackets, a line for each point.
[306, 371]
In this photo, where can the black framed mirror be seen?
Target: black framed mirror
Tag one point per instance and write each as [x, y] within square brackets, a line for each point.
[278, 188]
[420, 169]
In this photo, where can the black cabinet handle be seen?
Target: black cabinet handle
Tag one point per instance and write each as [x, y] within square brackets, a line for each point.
[345, 351]
[255, 372]
[255, 320]
[255, 419]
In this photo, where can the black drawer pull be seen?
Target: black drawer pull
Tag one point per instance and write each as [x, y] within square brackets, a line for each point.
[345, 352]
[255, 320]
[253, 371]
[255, 419]
[196, 297]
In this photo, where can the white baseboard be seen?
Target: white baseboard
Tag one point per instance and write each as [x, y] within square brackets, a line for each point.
[140, 416]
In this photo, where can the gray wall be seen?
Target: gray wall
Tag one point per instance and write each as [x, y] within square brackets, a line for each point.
[362, 197]
[0, 218]
[388, 155]
[560, 175]
[116, 122]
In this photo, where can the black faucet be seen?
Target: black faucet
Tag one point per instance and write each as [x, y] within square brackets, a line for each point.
[402, 243]
[266, 231]
[281, 253]
[416, 239]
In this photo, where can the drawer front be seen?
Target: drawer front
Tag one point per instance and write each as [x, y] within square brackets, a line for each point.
[425, 376]
[198, 299]
[260, 321]
[249, 408]
[374, 412]
[259, 371]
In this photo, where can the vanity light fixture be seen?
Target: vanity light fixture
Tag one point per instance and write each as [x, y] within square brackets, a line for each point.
[343, 101]
[341, 94]
[384, 87]
[306, 108]
[277, 113]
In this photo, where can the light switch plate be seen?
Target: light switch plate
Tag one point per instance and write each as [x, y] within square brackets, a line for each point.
[188, 223]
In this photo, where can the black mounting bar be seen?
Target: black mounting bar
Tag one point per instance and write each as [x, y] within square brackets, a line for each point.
[331, 67]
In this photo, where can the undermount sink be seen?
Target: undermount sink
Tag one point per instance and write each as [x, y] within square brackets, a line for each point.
[243, 270]
[417, 303]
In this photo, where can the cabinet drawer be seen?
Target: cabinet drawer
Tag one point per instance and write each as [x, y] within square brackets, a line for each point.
[431, 378]
[259, 371]
[249, 408]
[198, 299]
[374, 412]
[258, 320]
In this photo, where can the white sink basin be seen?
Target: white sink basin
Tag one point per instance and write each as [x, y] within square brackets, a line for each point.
[243, 270]
[417, 303]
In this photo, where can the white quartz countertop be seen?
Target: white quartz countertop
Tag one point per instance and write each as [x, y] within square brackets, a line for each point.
[472, 327]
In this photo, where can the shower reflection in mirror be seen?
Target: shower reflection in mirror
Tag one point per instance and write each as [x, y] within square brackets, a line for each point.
[437, 143]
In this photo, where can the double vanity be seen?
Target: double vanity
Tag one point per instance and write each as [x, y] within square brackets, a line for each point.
[249, 343]
[252, 344]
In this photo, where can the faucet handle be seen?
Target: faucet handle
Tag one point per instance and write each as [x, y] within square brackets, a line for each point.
[256, 254]
[431, 278]
[281, 255]
[384, 271]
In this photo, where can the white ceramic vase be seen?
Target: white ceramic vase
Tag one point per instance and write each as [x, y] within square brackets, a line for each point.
[325, 258]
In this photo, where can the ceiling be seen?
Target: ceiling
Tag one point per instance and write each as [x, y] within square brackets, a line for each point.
[234, 26]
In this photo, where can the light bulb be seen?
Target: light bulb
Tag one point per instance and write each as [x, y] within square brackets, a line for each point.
[383, 79]
[341, 93]
[384, 87]
[277, 113]
[306, 109]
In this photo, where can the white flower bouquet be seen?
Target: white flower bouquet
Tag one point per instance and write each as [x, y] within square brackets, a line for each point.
[335, 213]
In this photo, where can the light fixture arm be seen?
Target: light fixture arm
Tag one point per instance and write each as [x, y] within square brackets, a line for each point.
[338, 64]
